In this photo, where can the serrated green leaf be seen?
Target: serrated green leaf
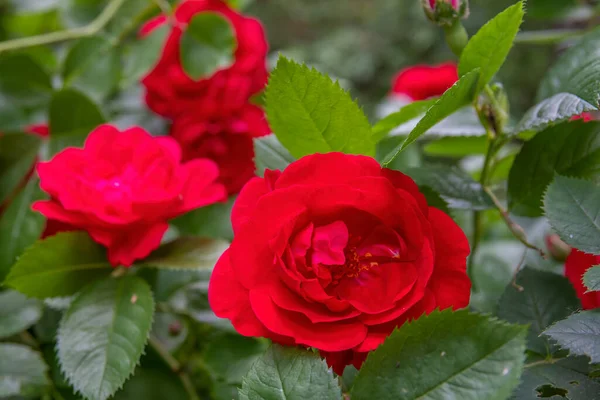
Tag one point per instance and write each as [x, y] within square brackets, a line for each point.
[187, 253]
[93, 65]
[230, 356]
[142, 54]
[434, 199]
[591, 279]
[23, 81]
[558, 108]
[269, 153]
[405, 114]
[579, 333]
[457, 188]
[460, 355]
[545, 299]
[17, 313]
[207, 45]
[103, 334]
[457, 146]
[571, 149]
[59, 266]
[488, 49]
[20, 225]
[212, 221]
[577, 71]
[573, 209]
[310, 113]
[17, 156]
[289, 373]
[455, 98]
[22, 372]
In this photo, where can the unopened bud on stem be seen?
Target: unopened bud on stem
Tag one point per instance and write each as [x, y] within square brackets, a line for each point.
[446, 12]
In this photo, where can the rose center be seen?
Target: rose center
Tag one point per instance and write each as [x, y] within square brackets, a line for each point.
[355, 264]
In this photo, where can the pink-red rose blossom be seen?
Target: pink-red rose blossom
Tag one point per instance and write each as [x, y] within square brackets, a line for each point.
[334, 253]
[421, 82]
[576, 265]
[123, 187]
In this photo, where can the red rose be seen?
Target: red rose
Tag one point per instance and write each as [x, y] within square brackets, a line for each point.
[576, 265]
[334, 253]
[422, 81]
[171, 92]
[225, 140]
[41, 130]
[123, 187]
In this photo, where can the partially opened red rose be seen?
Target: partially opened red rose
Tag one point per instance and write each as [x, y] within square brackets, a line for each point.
[123, 187]
[171, 92]
[334, 253]
[421, 82]
[576, 265]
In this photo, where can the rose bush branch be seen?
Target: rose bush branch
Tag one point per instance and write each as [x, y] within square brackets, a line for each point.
[175, 366]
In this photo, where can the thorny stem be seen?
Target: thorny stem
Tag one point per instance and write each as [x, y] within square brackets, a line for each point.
[176, 367]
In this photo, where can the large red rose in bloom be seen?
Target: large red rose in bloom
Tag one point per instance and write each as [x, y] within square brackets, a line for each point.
[171, 92]
[334, 253]
[225, 140]
[123, 187]
[423, 81]
[576, 265]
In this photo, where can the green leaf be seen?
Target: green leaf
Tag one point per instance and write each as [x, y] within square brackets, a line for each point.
[310, 113]
[458, 146]
[269, 153]
[22, 372]
[571, 149]
[445, 355]
[434, 199]
[59, 266]
[463, 122]
[187, 253]
[577, 71]
[457, 188]
[93, 66]
[20, 225]
[213, 221]
[591, 279]
[152, 384]
[558, 108]
[207, 45]
[142, 55]
[17, 313]
[291, 374]
[579, 333]
[405, 114]
[455, 98]
[17, 157]
[230, 356]
[488, 49]
[103, 334]
[573, 209]
[545, 299]
[23, 81]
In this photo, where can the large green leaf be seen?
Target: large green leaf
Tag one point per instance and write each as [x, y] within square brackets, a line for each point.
[445, 355]
[188, 253]
[573, 208]
[213, 221]
[207, 45]
[558, 108]
[576, 72]
[23, 81]
[142, 54]
[17, 313]
[455, 98]
[405, 114]
[17, 157]
[310, 113]
[544, 299]
[579, 333]
[93, 65]
[59, 266]
[488, 49]
[22, 372]
[291, 374]
[103, 334]
[571, 149]
[20, 226]
[591, 279]
[269, 153]
[457, 188]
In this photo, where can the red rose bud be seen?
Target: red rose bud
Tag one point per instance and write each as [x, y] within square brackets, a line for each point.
[576, 266]
[446, 12]
[557, 248]
[421, 82]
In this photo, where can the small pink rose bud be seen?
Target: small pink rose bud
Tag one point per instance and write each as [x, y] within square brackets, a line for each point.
[557, 248]
[446, 12]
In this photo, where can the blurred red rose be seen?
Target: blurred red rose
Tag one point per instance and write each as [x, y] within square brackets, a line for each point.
[422, 81]
[171, 92]
[123, 187]
[334, 253]
[586, 117]
[576, 265]
[454, 3]
[41, 130]
[226, 141]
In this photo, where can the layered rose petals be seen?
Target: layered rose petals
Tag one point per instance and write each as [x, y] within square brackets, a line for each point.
[576, 265]
[123, 187]
[334, 253]
[421, 82]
